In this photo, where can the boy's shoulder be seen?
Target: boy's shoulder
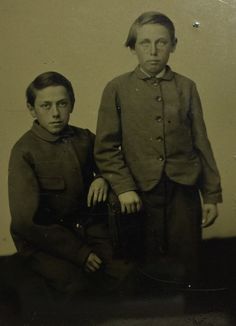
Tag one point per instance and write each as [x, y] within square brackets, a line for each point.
[30, 139]
[122, 79]
[24, 141]
[82, 132]
[183, 79]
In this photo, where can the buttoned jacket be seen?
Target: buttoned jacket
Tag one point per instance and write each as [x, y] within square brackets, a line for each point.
[49, 176]
[147, 126]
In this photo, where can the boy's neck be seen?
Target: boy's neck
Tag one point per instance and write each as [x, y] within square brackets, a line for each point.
[159, 75]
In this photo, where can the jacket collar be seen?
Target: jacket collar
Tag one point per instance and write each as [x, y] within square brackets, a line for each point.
[169, 74]
[45, 135]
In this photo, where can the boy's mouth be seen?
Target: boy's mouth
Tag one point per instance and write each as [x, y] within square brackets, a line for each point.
[55, 122]
[153, 61]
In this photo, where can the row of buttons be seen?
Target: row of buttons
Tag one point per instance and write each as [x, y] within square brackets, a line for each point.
[159, 119]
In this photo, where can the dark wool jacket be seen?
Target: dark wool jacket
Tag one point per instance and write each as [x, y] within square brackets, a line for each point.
[147, 126]
[49, 176]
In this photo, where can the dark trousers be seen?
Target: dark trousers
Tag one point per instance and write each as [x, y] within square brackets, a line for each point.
[68, 281]
[171, 227]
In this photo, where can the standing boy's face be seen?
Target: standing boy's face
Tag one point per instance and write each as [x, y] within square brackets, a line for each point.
[52, 108]
[153, 47]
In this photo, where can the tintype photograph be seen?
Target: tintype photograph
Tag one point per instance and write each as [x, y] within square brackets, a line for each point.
[118, 178]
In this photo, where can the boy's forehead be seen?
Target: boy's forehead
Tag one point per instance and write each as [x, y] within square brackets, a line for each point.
[51, 92]
[152, 30]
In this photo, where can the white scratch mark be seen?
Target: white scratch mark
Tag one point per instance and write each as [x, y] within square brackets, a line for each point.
[223, 1]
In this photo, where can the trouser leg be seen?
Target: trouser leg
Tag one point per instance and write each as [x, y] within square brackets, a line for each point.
[184, 230]
[62, 277]
[172, 231]
[116, 274]
[69, 280]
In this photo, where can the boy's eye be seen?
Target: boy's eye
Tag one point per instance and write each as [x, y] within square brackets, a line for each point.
[45, 106]
[162, 42]
[62, 104]
[145, 43]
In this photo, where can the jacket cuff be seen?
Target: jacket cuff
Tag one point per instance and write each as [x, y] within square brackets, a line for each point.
[98, 175]
[124, 187]
[212, 199]
[83, 254]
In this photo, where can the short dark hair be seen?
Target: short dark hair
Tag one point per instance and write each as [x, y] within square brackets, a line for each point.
[46, 79]
[150, 17]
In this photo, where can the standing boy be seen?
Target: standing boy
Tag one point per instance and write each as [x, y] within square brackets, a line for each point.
[55, 192]
[153, 149]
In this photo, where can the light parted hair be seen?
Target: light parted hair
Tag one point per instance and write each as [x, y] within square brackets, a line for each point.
[46, 79]
[150, 17]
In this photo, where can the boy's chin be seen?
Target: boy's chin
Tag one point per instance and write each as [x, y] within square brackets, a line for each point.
[153, 71]
[55, 130]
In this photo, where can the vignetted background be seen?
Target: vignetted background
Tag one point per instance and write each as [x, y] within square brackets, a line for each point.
[83, 39]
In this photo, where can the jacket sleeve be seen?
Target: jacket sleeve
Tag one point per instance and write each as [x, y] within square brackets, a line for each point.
[209, 182]
[108, 145]
[24, 201]
[97, 173]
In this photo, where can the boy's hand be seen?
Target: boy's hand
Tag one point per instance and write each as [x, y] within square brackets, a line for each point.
[97, 192]
[130, 202]
[93, 263]
[209, 214]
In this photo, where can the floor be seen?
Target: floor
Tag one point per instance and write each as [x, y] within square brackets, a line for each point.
[212, 303]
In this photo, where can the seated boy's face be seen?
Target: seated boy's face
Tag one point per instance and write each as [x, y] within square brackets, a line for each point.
[153, 47]
[52, 108]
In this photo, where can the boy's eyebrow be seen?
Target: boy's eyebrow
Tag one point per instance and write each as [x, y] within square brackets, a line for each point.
[63, 99]
[148, 40]
[47, 101]
[145, 40]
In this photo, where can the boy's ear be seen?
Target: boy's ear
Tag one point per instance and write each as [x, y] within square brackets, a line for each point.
[174, 45]
[72, 108]
[31, 110]
[133, 51]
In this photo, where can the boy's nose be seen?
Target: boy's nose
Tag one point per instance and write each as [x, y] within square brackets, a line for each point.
[153, 49]
[55, 111]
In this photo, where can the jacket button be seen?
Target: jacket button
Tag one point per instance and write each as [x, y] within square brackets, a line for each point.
[159, 119]
[161, 158]
[159, 139]
[159, 98]
[78, 226]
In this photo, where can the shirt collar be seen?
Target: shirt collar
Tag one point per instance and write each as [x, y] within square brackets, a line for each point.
[160, 75]
[168, 74]
[46, 135]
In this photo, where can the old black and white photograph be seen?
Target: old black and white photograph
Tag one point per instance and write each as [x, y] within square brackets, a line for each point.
[118, 162]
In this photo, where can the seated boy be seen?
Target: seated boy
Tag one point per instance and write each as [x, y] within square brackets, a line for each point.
[55, 195]
[152, 147]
